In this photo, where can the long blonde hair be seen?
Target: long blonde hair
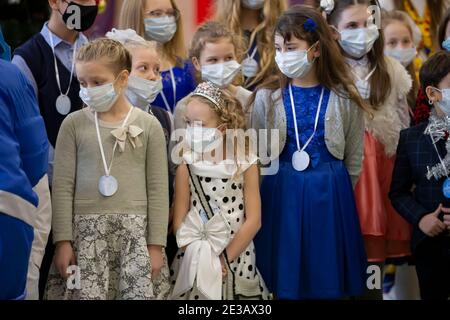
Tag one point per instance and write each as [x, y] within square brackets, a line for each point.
[132, 16]
[401, 16]
[228, 12]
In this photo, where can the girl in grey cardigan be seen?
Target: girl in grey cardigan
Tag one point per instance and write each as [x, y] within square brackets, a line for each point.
[310, 236]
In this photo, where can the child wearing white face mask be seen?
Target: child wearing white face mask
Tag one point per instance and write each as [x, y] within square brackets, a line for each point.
[384, 83]
[215, 52]
[110, 193]
[161, 21]
[310, 244]
[217, 203]
[399, 44]
[144, 84]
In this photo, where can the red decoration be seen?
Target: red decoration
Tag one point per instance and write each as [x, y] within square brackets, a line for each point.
[203, 10]
[423, 108]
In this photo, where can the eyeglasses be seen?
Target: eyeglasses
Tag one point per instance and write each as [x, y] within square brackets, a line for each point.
[161, 13]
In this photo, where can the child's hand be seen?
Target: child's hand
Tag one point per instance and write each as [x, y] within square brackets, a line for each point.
[64, 257]
[156, 259]
[447, 221]
[446, 212]
[224, 266]
[431, 225]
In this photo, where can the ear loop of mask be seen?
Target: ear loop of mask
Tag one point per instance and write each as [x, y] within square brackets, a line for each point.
[63, 1]
[307, 51]
[117, 78]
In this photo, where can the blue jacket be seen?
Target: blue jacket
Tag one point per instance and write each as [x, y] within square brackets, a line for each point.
[5, 50]
[23, 144]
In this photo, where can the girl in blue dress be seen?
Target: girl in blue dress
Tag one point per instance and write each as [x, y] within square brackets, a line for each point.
[161, 21]
[310, 237]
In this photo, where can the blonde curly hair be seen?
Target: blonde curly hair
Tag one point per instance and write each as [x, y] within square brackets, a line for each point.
[231, 114]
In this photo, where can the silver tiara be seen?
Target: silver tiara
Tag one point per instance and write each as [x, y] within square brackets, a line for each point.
[209, 91]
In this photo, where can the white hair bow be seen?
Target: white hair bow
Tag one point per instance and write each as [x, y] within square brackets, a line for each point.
[327, 5]
[124, 36]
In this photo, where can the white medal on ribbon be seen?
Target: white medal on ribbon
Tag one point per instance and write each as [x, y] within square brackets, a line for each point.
[107, 184]
[63, 104]
[300, 158]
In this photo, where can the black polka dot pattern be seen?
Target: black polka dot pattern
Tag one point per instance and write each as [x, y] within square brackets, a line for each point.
[227, 196]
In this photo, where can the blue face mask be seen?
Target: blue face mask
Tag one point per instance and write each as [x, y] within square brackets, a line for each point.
[444, 104]
[160, 29]
[446, 44]
[5, 50]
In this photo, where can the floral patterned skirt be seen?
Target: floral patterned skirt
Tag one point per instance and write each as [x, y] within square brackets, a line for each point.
[112, 261]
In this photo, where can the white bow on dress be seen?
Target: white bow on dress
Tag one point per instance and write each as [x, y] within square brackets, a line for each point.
[204, 243]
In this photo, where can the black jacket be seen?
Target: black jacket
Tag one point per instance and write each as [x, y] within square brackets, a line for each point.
[412, 194]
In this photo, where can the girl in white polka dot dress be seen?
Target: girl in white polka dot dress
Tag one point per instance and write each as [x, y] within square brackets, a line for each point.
[217, 203]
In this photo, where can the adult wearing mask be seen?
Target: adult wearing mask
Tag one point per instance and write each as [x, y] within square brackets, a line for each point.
[47, 60]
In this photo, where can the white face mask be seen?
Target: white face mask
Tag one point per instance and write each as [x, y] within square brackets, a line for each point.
[141, 92]
[101, 98]
[444, 104]
[253, 4]
[358, 42]
[404, 56]
[201, 139]
[294, 64]
[221, 74]
[161, 29]
[250, 67]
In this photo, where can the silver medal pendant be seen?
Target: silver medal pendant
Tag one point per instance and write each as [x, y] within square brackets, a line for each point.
[107, 185]
[63, 104]
[300, 160]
